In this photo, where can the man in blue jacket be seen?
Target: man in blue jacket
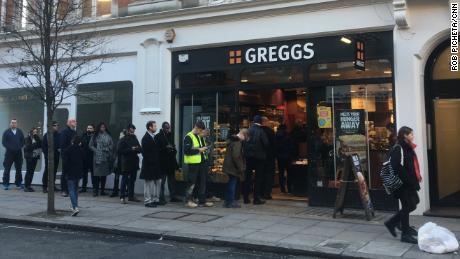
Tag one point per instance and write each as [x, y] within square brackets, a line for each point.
[13, 141]
[65, 140]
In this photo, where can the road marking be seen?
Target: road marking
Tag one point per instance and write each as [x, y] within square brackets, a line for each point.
[37, 229]
[218, 251]
[161, 244]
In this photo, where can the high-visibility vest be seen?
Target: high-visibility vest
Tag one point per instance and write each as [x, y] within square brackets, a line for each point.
[193, 159]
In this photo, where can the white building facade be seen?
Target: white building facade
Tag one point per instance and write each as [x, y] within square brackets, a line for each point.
[152, 78]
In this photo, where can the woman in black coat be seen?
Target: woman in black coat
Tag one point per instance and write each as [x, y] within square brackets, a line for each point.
[405, 164]
[128, 149]
[32, 151]
[168, 165]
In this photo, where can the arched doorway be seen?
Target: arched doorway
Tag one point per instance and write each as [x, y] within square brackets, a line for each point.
[442, 93]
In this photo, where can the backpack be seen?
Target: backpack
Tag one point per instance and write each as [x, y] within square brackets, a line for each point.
[391, 182]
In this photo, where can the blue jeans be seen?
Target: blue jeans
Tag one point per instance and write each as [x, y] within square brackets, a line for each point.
[231, 189]
[73, 192]
[127, 184]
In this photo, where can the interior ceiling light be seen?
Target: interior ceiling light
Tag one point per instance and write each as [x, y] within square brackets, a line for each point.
[387, 72]
[335, 75]
[244, 80]
[345, 40]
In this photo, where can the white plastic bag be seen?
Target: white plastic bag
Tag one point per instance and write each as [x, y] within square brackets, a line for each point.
[436, 240]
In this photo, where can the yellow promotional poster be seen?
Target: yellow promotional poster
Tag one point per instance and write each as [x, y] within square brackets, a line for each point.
[324, 117]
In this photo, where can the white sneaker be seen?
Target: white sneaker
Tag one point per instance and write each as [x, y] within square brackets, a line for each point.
[207, 204]
[214, 199]
[123, 201]
[75, 212]
[191, 204]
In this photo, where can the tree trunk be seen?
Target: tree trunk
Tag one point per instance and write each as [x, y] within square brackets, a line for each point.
[50, 208]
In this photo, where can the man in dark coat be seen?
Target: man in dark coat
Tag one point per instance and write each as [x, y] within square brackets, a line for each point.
[65, 140]
[73, 158]
[88, 165]
[12, 141]
[128, 149]
[57, 155]
[269, 169]
[255, 151]
[168, 165]
[150, 170]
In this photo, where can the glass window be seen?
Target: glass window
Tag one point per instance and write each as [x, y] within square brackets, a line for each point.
[380, 68]
[110, 103]
[23, 106]
[272, 75]
[206, 79]
[97, 8]
[351, 119]
[216, 110]
[441, 68]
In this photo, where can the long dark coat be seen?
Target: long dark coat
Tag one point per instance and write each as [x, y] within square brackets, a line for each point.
[234, 162]
[73, 160]
[168, 162]
[150, 159]
[129, 157]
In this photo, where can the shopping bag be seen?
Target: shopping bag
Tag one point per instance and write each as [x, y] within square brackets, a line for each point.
[436, 239]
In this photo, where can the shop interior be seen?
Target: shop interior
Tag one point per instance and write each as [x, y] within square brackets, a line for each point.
[286, 110]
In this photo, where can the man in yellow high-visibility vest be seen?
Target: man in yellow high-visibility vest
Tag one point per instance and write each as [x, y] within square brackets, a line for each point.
[195, 155]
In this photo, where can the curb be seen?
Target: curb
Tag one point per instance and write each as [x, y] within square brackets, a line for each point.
[184, 239]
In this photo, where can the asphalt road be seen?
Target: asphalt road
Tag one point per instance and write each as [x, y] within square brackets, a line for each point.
[18, 241]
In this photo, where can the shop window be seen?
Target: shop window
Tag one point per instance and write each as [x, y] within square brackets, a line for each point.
[441, 70]
[347, 120]
[206, 79]
[272, 75]
[97, 8]
[27, 109]
[110, 103]
[380, 68]
[216, 110]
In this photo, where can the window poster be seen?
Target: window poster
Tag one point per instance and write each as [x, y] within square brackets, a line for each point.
[324, 117]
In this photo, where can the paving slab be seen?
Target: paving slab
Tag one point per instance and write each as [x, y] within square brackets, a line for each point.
[389, 248]
[255, 224]
[265, 237]
[356, 236]
[414, 253]
[303, 240]
[234, 232]
[321, 231]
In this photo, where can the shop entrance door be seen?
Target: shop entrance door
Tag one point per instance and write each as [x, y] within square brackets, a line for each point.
[447, 124]
[286, 111]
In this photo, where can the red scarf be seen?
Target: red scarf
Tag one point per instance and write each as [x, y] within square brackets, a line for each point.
[416, 164]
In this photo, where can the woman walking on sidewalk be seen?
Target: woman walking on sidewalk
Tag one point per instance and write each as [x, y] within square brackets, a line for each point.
[102, 146]
[74, 159]
[234, 166]
[405, 164]
[32, 151]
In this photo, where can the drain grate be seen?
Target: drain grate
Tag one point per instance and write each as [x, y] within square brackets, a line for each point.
[182, 216]
[167, 215]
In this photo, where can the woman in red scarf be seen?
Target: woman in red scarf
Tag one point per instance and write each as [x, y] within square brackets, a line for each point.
[404, 162]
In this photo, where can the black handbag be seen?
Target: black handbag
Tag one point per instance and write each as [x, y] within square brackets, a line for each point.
[391, 182]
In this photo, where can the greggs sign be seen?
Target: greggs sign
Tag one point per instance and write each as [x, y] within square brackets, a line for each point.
[272, 54]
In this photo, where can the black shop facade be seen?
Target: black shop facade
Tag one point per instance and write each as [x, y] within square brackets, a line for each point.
[333, 94]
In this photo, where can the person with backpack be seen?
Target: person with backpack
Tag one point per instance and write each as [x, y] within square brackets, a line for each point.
[405, 165]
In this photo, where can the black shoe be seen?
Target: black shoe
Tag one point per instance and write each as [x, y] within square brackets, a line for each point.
[151, 205]
[45, 190]
[258, 202]
[406, 238]
[390, 228]
[103, 193]
[174, 199]
[114, 194]
[134, 199]
[411, 231]
[28, 189]
[247, 201]
[95, 193]
[161, 202]
[82, 190]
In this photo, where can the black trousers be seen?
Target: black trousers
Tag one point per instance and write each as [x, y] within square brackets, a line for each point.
[258, 166]
[269, 171]
[31, 164]
[284, 166]
[99, 182]
[45, 173]
[116, 183]
[409, 200]
[171, 179]
[10, 158]
[196, 177]
[87, 167]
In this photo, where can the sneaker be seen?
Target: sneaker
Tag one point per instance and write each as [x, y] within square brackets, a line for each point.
[64, 194]
[75, 212]
[174, 199]
[258, 202]
[134, 199]
[214, 199]
[82, 190]
[206, 204]
[151, 205]
[5, 187]
[191, 204]
[390, 228]
[123, 201]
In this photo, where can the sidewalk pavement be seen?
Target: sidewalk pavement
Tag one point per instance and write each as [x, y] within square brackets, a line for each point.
[278, 226]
